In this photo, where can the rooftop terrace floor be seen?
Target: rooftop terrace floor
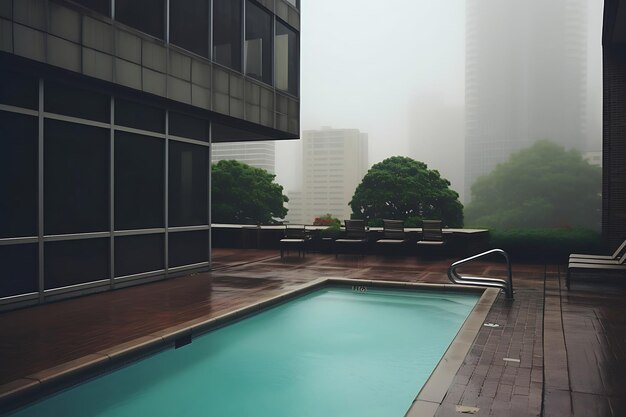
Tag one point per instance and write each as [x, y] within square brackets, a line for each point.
[571, 344]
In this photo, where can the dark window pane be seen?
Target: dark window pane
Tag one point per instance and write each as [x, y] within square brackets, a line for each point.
[287, 59]
[258, 43]
[74, 262]
[227, 33]
[139, 181]
[186, 248]
[146, 15]
[76, 184]
[189, 25]
[139, 116]
[100, 6]
[19, 269]
[137, 254]
[189, 127]
[18, 175]
[71, 101]
[19, 89]
[188, 172]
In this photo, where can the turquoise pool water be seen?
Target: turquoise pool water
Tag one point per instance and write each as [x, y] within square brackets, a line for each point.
[331, 353]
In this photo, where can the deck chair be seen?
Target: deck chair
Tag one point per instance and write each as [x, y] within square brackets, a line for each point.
[432, 233]
[393, 234]
[355, 238]
[584, 257]
[295, 238]
[597, 267]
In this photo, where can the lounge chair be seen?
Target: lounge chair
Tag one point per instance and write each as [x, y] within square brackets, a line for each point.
[584, 257]
[598, 267]
[296, 238]
[432, 233]
[393, 234]
[355, 237]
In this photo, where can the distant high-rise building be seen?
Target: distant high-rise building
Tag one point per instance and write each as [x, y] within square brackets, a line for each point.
[334, 162]
[257, 154]
[525, 77]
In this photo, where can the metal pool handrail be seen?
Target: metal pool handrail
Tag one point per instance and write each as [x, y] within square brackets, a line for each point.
[506, 285]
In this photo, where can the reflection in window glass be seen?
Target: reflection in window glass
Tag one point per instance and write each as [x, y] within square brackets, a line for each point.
[188, 184]
[76, 170]
[64, 99]
[19, 90]
[139, 181]
[286, 59]
[189, 25]
[19, 269]
[258, 46]
[146, 15]
[139, 116]
[74, 262]
[18, 175]
[187, 248]
[227, 33]
[188, 127]
[137, 254]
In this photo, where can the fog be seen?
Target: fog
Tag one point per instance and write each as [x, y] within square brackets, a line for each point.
[396, 71]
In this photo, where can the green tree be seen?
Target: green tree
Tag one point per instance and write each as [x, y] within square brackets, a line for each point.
[244, 194]
[541, 186]
[405, 189]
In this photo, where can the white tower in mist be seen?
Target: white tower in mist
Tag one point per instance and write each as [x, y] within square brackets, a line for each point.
[525, 77]
[334, 162]
[257, 154]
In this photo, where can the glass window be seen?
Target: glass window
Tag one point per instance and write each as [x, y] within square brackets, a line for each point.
[189, 25]
[188, 184]
[227, 33]
[19, 269]
[74, 262]
[139, 116]
[100, 6]
[186, 248]
[71, 101]
[139, 181]
[18, 175]
[19, 90]
[286, 57]
[146, 15]
[188, 127]
[140, 253]
[258, 46]
[76, 172]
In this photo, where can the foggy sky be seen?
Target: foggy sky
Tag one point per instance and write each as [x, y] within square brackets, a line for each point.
[364, 65]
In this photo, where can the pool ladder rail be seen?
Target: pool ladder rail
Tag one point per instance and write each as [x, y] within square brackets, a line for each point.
[506, 285]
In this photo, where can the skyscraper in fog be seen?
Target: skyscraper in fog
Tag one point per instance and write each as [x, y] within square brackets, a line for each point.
[525, 77]
[257, 154]
[334, 162]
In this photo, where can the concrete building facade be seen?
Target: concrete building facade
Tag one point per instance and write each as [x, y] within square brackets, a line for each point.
[108, 110]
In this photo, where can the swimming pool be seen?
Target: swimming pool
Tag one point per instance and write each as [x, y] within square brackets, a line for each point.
[332, 352]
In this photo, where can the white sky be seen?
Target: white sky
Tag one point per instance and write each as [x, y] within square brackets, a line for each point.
[362, 61]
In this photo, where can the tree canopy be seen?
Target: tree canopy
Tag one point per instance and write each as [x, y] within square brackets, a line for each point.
[244, 194]
[541, 186]
[405, 189]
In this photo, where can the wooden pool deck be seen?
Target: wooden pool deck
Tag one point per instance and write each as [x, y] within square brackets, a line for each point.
[555, 352]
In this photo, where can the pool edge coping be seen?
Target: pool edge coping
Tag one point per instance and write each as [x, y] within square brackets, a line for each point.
[431, 396]
[26, 390]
